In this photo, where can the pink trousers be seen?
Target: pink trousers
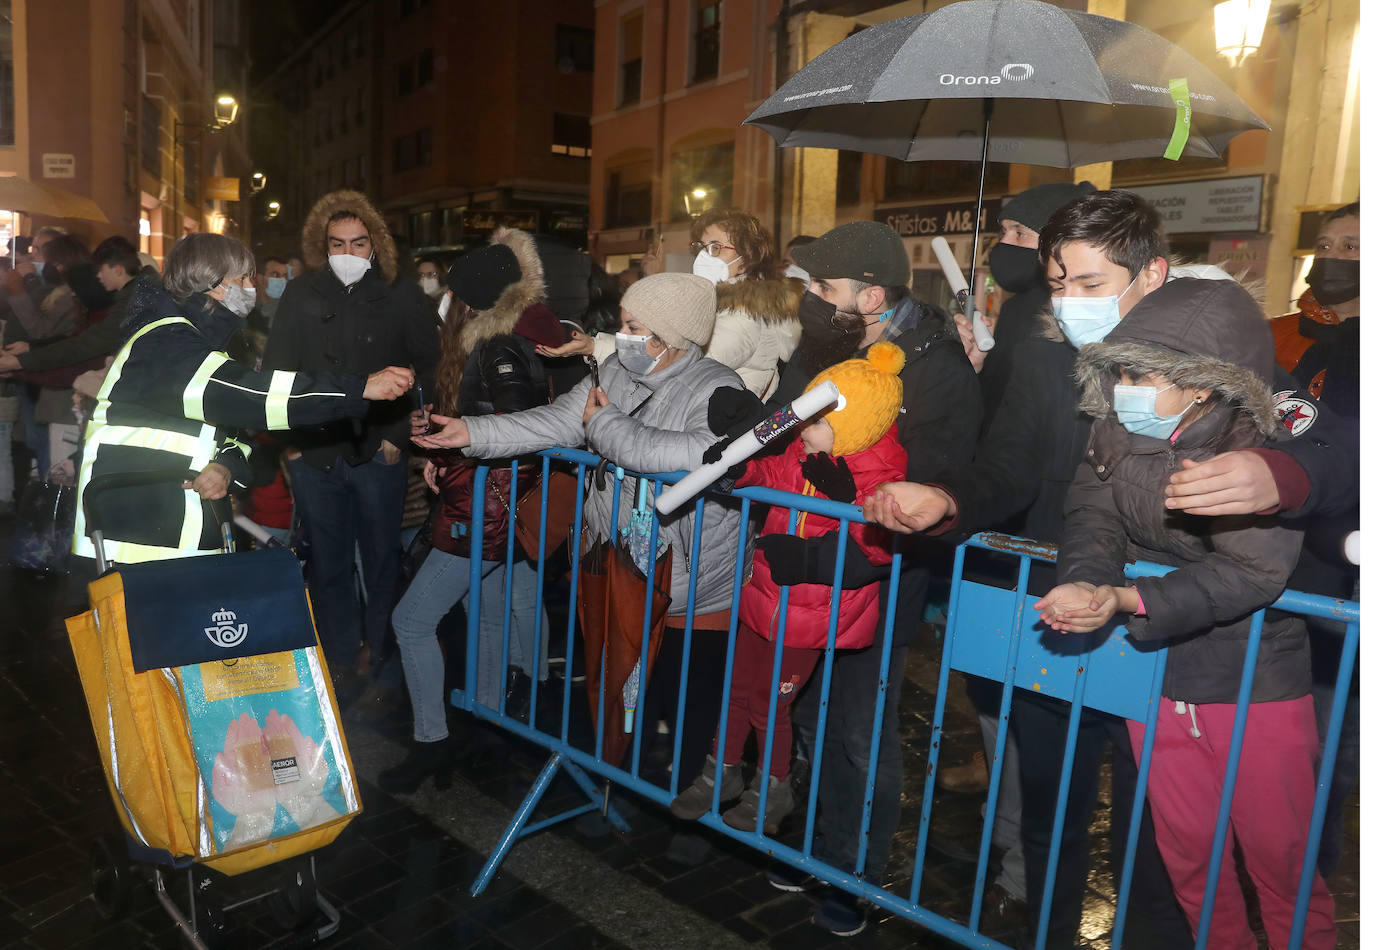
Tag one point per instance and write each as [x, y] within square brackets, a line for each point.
[1270, 815]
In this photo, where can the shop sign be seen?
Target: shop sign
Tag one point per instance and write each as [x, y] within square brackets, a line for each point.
[221, 189]
[59, 165]
[1219, 204]
[929, 220]
[484, 222]
[1248, 255]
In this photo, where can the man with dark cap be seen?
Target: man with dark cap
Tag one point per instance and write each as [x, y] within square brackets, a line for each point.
[858, 295]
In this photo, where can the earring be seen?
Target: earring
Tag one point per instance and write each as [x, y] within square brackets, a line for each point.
[1198, 400]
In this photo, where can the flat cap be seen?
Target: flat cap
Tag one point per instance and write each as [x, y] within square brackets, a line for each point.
[860, 250]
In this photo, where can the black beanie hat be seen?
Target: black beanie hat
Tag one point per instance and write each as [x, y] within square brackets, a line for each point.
[1034, 206]
[478, 277]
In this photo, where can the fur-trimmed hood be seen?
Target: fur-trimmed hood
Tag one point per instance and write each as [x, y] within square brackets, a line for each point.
[317, 221]
[1197, 333]
[518, 297]
[772, 301]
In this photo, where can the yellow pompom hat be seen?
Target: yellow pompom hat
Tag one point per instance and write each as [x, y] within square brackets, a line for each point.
[870, 397]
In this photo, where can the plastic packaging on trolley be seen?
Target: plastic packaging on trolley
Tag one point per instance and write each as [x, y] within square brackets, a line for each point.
[212, 709]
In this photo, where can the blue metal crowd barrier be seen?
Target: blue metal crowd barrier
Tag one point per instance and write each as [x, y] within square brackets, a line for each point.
[991, 632]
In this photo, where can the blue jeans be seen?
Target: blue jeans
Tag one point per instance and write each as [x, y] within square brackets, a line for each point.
[344, 507]
[440, 583]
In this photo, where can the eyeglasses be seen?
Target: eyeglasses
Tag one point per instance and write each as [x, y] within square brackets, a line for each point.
[712, 247]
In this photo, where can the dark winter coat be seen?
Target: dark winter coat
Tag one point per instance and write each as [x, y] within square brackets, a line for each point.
[323, 326]
[1201, 334]
[808, 605]
[502, 374]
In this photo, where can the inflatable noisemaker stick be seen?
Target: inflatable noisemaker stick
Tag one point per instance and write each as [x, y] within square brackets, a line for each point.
[959, 285]
[747, 445]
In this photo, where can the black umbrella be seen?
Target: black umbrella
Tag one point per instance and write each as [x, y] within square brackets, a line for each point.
[1058, 87]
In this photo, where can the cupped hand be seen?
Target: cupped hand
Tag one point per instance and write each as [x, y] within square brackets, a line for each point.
[579, 345]
[975, 356]
[908, 507]
[451, 434]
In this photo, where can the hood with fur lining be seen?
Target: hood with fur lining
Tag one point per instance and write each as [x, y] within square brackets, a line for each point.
[1197, 333]
[772, 301]
[317, 221]
[502, 316]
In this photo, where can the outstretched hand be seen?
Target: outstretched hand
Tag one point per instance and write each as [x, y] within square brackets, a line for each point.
[1081, 607]
[451, 434]
[908, 507]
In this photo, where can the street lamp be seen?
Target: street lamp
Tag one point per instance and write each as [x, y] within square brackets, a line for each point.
[258, 182]
[695, 200]
[225, 112]
[273, 209]
[1239, 27]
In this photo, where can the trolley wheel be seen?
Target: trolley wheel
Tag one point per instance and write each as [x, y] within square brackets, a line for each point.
[110, 875]
[293, 902]
[212, 921]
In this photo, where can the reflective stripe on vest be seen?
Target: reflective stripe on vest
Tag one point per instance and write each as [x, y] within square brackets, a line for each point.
[193, 399]
[278, 399]
[199, 449]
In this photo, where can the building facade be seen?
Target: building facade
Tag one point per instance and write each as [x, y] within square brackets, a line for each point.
[676, 78]
[452, 123]
[112, 100]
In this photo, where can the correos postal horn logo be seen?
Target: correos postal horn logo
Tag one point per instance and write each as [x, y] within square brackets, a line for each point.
[1011, 72]
[224, 633]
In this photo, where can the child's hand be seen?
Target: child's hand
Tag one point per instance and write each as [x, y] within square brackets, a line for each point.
[1081, 607]
[831, 476]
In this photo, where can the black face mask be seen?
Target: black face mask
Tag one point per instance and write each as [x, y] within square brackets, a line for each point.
[823, 342]
[1016, 269]
[1334, 280]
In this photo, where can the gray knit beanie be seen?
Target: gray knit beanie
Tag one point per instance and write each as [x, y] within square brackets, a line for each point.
[677, 308]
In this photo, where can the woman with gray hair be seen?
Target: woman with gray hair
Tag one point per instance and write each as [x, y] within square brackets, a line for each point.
[173, 400]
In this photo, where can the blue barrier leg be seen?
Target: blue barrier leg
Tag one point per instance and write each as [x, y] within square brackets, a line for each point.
[1147, 748]
[995, 767]
[879, 703]
[1061, 804]
[937, 725]
[693, 570]
[1228, 786]
[740, 550]
[1322, 800]
[517, 822]
[575, 549]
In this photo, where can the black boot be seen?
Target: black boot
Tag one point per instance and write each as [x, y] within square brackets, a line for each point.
[425, 759]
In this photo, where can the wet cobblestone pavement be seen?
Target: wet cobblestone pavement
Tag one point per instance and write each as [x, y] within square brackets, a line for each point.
[400, 873]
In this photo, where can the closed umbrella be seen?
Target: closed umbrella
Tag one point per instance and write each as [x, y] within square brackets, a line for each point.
[1056, 87]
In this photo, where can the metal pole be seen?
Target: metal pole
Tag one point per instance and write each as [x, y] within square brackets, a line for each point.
[978, 210]
[779, 76]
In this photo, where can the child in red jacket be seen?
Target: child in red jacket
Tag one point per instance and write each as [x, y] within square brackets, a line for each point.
[844, 453]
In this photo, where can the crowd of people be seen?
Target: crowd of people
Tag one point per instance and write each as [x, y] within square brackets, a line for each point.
[1134, 408]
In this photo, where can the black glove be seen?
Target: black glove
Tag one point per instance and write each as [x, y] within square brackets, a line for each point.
[731, 412]
[831, 476]
[793, 560]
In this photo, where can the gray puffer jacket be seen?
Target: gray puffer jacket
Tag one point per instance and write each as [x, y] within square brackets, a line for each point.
[654, 423]
[1198, 334]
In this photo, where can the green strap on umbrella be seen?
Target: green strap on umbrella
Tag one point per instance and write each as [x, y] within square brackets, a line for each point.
[1183, 118]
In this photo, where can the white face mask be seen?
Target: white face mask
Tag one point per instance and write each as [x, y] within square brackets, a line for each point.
[633, 352]
[793, 270]
[238, 300]
[349, 268]
[712, 268]
[430, 285]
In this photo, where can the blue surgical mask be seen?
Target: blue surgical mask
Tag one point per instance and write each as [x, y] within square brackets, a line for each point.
[1088, 319]
[633, 352]
[1135, 409]
[38, 267]
[276, 286]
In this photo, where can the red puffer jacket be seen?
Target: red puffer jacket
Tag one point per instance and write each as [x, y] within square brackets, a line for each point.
[808, 605]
